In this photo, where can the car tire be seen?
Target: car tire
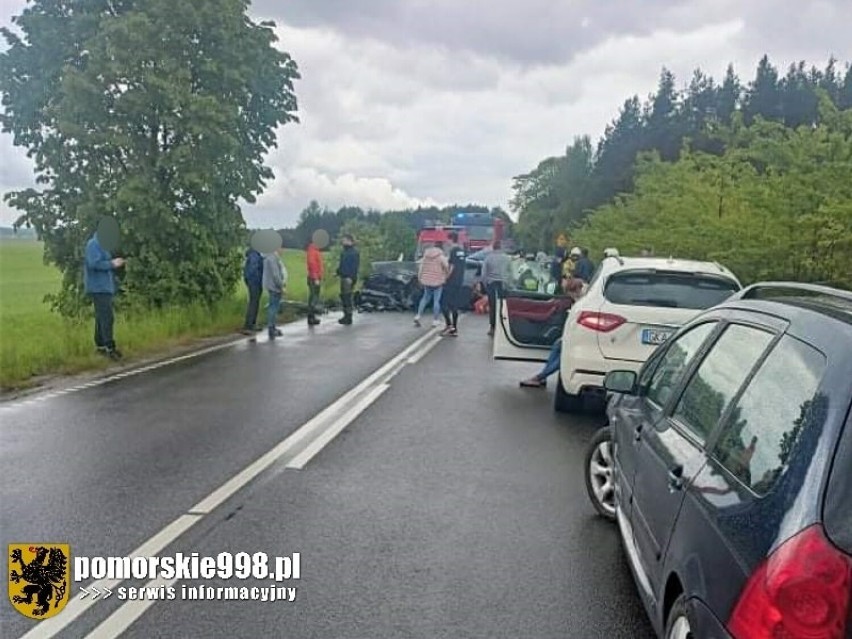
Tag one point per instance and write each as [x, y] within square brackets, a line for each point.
[599, 473]
[680, 621]
[564, 402]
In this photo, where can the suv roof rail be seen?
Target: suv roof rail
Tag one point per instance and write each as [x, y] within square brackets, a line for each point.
[750, 292]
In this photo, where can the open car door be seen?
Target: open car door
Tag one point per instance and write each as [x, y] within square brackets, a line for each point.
[530, 318]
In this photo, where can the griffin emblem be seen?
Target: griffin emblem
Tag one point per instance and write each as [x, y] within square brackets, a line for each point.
[38, 578]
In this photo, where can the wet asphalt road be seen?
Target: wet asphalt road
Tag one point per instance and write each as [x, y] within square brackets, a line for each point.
[452, 507]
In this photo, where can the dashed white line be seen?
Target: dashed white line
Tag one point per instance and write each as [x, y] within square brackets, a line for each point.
[308, 439]
[76, 607]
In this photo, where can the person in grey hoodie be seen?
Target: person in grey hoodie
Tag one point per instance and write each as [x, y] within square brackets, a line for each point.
[495, 273]
[275, 282]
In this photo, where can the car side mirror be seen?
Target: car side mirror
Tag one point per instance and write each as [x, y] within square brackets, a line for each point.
[621, 382]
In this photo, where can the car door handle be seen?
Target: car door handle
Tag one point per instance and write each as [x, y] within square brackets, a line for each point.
[676, 478]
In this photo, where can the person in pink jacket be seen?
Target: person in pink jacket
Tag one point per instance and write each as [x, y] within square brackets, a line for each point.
[433, 274]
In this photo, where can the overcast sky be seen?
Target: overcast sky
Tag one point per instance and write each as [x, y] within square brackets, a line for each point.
[404, 102]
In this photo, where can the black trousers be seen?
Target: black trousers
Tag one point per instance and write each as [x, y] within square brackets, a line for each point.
[254, 293]
[450, 303]
[495, 291]
[346, 288]
[313, 298]
[104, 320]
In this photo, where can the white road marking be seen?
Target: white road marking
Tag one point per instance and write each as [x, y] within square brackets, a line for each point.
[422, 353]
[121, 619]
[307, 429]
[336, 427]
[76, 607]
[117, 376]
[324, 426]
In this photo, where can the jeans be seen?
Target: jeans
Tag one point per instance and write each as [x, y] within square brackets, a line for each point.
[313, 298]
[104, 319]
[552, 365]
[272, 309]
[254, 293]
[431, 293]
[495, 291]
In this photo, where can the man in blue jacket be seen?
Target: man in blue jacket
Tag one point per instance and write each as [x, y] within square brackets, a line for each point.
[99, 284]
[347, 271]
[253, 277]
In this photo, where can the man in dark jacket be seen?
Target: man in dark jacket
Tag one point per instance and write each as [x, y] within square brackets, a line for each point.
[452, 297]
[253, 277]
[347, 271]
[99, 284]
[583, 267]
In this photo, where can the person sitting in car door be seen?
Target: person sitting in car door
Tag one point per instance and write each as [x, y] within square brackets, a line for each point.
[551, 366]
[573, 288]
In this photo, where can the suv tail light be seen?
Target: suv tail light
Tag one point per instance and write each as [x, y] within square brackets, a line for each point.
[603, 322]
[801, 591]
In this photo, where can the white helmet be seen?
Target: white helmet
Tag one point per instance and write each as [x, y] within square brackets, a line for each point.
[611, 252]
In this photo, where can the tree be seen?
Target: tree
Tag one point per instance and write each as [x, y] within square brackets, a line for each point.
[159, 113]
[665, 126]
[616, 152]
[799, 102]
[776, 205]
[845, 94]
[728, 96]
[764, 94]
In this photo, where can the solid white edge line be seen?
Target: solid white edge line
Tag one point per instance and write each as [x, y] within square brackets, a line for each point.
[123, 618]
[336, 427]
[76, 606]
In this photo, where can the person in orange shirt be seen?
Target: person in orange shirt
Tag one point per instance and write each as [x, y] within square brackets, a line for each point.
[315, 272]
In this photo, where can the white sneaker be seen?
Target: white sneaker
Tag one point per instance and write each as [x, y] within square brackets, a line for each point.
[417, 320]
[436, 323]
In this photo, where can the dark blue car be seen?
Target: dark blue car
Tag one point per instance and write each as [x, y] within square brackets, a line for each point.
[727, 463]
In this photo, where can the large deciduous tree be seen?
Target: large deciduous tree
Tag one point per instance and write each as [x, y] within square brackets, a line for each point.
[158, 112]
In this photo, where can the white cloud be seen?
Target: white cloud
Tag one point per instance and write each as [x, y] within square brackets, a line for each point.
[396, 112]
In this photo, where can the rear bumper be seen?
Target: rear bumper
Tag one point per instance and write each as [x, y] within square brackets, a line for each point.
[583, 369]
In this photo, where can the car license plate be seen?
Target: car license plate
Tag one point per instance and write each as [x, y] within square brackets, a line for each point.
[655, 336]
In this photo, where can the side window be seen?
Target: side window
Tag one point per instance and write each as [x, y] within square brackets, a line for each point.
[757, 440]
[674, 363]
[719, 377]
[650, 367]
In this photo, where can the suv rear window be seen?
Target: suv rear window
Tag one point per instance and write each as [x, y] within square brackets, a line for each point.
[671, 290]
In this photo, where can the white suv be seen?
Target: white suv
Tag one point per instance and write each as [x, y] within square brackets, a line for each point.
[632, 305]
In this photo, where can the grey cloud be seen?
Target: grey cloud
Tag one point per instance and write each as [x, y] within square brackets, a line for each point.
[554, 31]
[811, 31]
[538, 31]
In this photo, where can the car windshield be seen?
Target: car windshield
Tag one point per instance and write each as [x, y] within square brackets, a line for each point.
[480, 233]
[670, 290]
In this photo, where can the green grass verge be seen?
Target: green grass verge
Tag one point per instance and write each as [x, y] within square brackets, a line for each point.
[35, 341]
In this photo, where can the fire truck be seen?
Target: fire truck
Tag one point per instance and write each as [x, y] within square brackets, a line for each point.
[481, 229]
[475, 231]
[429, 234]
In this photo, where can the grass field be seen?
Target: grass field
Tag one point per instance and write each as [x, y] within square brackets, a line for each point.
[35, 341]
